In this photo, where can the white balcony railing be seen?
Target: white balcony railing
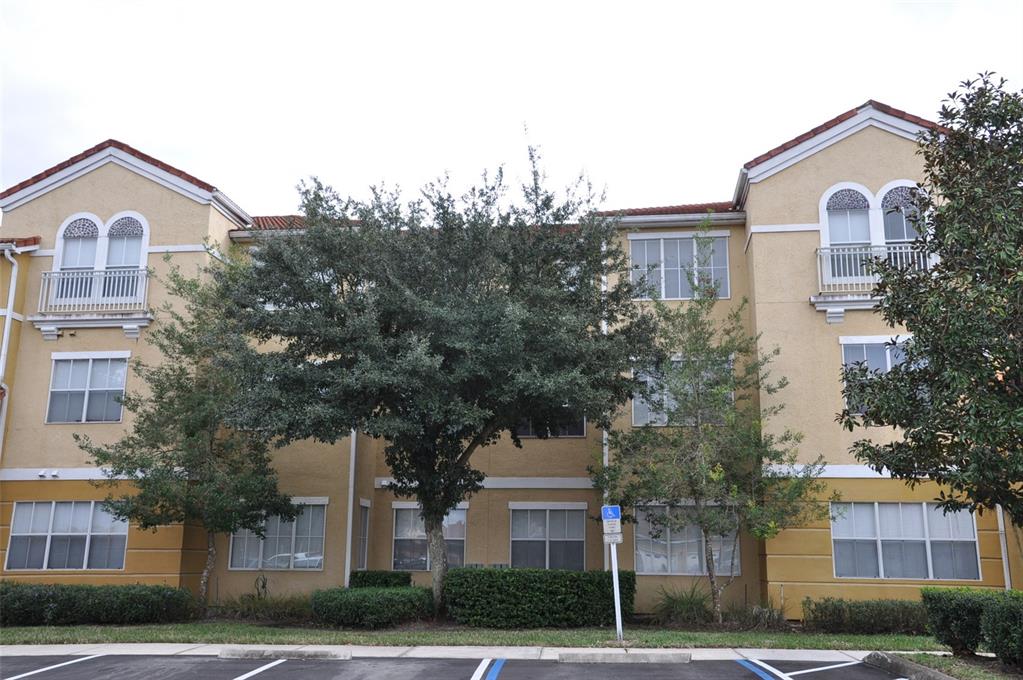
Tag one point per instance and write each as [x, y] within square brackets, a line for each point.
[113, 291]
[846, 270]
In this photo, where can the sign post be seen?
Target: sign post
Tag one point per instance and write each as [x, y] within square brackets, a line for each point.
[611, 515]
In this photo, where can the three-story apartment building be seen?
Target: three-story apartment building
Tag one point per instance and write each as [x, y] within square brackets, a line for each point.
[84, 244]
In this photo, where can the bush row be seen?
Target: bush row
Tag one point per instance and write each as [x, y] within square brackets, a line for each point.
[380, 579]
[966, 618]
[535, 598]
[268, 608]
[836, 615]
[371, 607]
[26, 604]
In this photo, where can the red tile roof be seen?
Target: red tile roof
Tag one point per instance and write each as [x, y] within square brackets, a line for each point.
[685, 209]
[883, 108]
[22, 241]
[277, 222]
[100, 147]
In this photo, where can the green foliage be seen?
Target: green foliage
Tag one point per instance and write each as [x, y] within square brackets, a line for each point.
[837, 615]
[269, 608]
[683, 606]
[535, 598]
[371, 607]
[380, 579]
[709, 459]
[756, 617]
[24, 604]
[954, 614]
[958, 397]
[1002, 627]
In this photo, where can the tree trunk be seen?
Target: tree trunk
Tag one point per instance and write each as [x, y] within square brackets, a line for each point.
[438, 559]
[715, 591]
[211, 558]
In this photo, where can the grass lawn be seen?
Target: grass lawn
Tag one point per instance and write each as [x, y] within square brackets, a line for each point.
[975, 668]
[231, 632]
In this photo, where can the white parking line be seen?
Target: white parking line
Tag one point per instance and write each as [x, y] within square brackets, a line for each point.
[772, 669]
[481, 669]
[256, 671]
[50, 668]
[825, 668]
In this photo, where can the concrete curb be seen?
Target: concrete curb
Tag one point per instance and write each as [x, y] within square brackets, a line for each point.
[270, 653]
[626, 656]
[897, 665]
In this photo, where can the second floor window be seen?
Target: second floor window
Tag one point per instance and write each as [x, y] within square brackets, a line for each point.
[667, 267]
[86, 390]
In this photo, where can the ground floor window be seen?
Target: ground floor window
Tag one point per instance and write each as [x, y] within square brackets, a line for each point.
[548, 538]
[66, 535]
[295, 544]
[903, 540]
[679, 550]
[411, 547]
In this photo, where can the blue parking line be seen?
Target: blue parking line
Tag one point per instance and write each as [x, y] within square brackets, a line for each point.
[495, 670]
[760, 672]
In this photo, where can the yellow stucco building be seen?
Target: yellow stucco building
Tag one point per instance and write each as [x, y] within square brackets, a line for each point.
[84, 243]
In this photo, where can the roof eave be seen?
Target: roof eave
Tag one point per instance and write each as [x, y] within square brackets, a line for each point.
[737, 217]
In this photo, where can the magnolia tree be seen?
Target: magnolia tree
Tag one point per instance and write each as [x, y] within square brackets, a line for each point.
[438, 325]
[700, 456]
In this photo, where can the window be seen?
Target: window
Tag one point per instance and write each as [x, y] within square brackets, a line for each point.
[547, 538]
[903, 540]
[297, 544]
[668, 266]
[124, 253]
[711, 382]
[645, 413]
[878, 356]
[66, 535]
[576, 429]
[848, 218]
[899, 215]
[362, 549]
[411, 550]
[665, 550]
[87, 390]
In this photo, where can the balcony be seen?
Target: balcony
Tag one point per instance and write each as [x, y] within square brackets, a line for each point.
[93, 298]
[845, 277]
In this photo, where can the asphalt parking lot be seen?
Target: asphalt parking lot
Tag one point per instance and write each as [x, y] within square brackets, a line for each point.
[211, 668]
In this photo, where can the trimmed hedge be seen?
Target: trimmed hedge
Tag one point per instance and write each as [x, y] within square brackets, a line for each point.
[30, 604]
[836, 615]
[371, 607]
[1001, 625]
[535, 598]
[953, 616]
[380, 579]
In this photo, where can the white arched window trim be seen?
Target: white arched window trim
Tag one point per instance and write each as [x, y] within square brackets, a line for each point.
[875, 212]
[103, 242]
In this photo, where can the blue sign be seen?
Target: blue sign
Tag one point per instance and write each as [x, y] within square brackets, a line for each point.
[610, 512]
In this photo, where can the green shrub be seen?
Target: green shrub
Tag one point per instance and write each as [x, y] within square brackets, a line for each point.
[953, 616]
[756, 617]
[371, 607]
[278, 609]
[836, 615]
[686, 606]
[380, 579]
[30, 604]
[1002, 627]
[535, 598]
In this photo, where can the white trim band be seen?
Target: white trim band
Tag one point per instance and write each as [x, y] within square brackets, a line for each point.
[414, 505]
[782, 228]
[544, 505]
[107, 354]
[310, 500]
[517, 482]
[645, 235]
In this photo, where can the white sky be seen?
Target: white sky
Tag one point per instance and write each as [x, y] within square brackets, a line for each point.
[660, 103]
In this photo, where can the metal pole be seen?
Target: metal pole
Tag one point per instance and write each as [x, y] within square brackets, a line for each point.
[618, 600]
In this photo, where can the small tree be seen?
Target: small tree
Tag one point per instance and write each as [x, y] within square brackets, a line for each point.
[958, 396]
[437, 325]
[185, 464]
[704, 454]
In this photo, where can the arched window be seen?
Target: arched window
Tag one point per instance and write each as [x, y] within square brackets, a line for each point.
[80, 237]
[848, 218]
[124, 244]
[900, 215]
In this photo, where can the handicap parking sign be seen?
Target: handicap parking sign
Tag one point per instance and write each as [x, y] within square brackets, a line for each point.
[612, 518]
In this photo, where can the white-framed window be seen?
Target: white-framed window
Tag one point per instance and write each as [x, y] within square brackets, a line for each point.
[903, 540]
[645, 413]
[877, 353]
[900, 215]
[286, 545]
[411, 547]
[848, 218]
[667, 265]
[86, 388]
[65, 535]
[552, 537]
[362, 540]
[575, 429]
[664, 550]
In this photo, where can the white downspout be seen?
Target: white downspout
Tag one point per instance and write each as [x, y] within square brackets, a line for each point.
[351, 508]
[6, 343]
[1005, 548]
[605, 456]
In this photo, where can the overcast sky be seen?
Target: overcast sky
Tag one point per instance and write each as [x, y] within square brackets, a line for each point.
[660, 103]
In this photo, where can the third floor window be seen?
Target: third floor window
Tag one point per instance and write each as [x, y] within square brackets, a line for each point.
[668, 267]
